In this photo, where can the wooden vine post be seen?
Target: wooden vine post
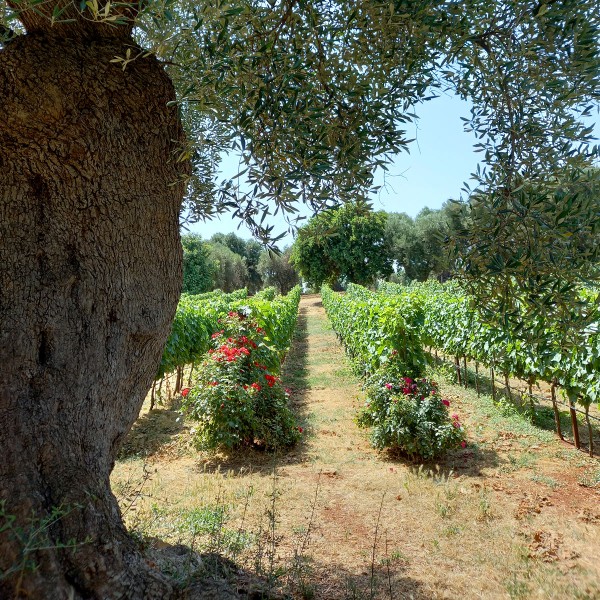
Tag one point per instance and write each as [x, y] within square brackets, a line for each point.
[574, 424]
[507, 385]
[531, 402]
[556, 412]
[590, 431]
[457, 363]
[190, 377]
[153, 395]
[477, 377]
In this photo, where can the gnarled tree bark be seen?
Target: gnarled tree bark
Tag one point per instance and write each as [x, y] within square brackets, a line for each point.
[90, 273]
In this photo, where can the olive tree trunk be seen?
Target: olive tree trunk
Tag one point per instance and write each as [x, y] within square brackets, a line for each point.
[90, 261]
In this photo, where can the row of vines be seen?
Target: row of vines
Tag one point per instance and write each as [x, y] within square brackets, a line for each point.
[382, 335]
[372, 326]
[453, 324]
[236, 344]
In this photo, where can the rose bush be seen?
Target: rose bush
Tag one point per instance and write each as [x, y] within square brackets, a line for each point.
[237, 397]
[408, 415]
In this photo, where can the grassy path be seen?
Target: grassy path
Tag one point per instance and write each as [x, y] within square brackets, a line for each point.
[506, 517]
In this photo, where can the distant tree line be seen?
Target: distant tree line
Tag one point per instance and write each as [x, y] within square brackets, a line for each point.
[228, 262]
[355, 244]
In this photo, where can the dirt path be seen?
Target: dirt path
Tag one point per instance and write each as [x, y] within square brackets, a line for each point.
[506, 517]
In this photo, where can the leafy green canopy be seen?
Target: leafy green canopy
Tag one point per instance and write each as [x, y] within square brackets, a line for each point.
[249, 250]
[231, 272]
[346, 243]
[418, 245]
[277, 270]
[199, 269]
[316, 95]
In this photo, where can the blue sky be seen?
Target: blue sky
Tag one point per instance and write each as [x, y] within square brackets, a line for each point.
[441, 159]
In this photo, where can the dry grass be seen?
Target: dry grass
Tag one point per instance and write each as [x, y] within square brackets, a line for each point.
[507, 517]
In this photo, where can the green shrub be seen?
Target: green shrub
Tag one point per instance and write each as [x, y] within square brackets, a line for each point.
[408, 415]
[236, 398]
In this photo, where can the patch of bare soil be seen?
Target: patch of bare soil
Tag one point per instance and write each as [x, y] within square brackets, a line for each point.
[505, 517]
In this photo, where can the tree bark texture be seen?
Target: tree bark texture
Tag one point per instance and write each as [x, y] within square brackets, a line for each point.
[90, 272]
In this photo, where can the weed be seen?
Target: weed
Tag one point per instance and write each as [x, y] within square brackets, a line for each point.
[301, 571]
[443, 509]
[452, 530]
[546, 480]
[516, 588]
[519, 461]
[484, 507]
[34, 538]
[375, 539]
[444, 504]
[590, 479]
[436, 474]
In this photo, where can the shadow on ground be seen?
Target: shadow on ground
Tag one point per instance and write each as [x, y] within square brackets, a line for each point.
[151, 432]
[469, 462]
[384, 579]
[210, 576]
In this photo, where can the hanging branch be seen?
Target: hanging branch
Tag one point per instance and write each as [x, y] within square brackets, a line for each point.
[6, 34]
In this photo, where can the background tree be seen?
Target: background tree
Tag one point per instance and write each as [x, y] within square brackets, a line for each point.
[250, 250]
[94, 165]
[405, 246]
[277, 270]
[420, 246]
[199, 268]
[231, 272]
[347, 243]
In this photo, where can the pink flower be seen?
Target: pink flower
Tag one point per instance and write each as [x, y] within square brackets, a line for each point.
[389, 386]
[300, 430]
[445, 402]
[463, 444]
[455, 417]
[185, 392]
[256, 386]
